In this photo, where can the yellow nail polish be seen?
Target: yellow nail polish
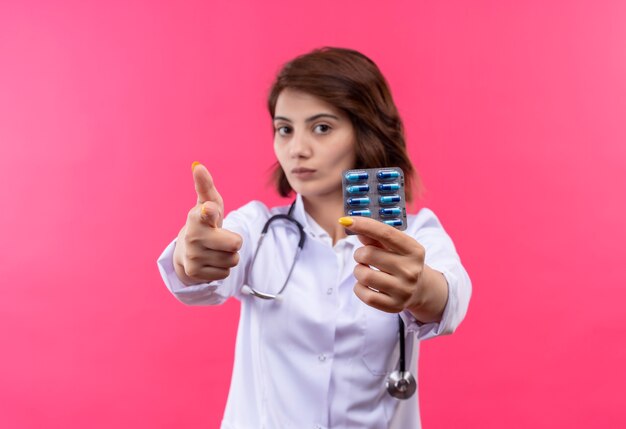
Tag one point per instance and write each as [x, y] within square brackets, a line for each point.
[346, 221]
[194, 165]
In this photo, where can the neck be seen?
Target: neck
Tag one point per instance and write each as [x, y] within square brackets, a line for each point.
[325, 211]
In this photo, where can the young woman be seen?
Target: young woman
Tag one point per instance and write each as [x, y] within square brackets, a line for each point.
[318, 336]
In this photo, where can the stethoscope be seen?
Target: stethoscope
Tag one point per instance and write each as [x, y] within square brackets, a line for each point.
[400, 384]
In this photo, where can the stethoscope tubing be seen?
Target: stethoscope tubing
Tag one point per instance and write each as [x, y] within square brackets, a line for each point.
[400, 384]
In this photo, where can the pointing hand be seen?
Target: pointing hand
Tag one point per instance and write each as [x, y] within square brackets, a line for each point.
[204, 251]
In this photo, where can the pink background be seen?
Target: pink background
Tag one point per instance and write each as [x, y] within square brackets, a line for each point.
[515, 114]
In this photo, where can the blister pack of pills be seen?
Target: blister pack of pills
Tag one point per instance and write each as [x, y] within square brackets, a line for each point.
[377, 193]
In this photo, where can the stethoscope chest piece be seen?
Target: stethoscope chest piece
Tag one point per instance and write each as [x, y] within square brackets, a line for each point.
[401, 384]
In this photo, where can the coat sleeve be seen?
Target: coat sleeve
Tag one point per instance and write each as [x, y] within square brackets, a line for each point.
[441, 256]
[244, 222]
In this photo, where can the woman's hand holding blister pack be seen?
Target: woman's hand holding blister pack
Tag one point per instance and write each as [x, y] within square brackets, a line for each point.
[391, 274]
[204, 251]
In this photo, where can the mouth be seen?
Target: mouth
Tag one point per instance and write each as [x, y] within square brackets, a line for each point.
[302, 173]
[302, 170]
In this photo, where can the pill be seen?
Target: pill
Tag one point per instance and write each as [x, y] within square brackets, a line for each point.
[389, 199]
[393, 222]
[358, 189]
[390, 211]
[388, 174]
[364, 212]
[388, 187]
[364, 201]
[356, 176]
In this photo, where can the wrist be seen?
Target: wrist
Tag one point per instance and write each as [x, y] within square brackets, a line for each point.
[432, 296]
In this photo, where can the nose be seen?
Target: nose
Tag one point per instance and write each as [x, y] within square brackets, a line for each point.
[299, 146]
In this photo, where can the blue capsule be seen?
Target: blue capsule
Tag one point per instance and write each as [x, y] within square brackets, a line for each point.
[363, 201]
[389, 199]
[388, 174]
[358, 189]
[357, 176]
[390, 211]
[364, 212]
[393, 222]
[388, 187]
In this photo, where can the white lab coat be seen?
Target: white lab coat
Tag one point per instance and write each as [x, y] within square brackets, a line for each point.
[318, 358]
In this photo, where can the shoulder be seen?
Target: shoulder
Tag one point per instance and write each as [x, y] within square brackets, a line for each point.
[253, 212]
[425, 218]
[426, 228]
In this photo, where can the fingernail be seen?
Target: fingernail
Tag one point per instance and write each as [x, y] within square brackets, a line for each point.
[346, 221]
[194, 165]
[203, 211]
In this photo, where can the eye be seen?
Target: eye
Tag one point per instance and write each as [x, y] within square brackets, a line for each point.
[283, 131]
[322, 129]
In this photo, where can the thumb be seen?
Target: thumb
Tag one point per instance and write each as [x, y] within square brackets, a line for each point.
[205, 188]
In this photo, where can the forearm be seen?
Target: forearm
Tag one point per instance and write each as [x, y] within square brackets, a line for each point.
[432, 298]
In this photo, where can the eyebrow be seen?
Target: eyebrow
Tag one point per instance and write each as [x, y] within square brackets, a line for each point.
[311, 119]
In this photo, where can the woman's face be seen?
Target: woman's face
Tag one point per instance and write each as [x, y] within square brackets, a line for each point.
[314, 143]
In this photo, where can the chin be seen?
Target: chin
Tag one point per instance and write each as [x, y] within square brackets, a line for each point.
[318, 193]
[315, 189]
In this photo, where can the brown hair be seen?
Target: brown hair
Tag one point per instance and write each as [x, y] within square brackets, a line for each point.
[351, 82]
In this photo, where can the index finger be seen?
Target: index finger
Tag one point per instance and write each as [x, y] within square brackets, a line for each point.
[391, 238]
[205, 188]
